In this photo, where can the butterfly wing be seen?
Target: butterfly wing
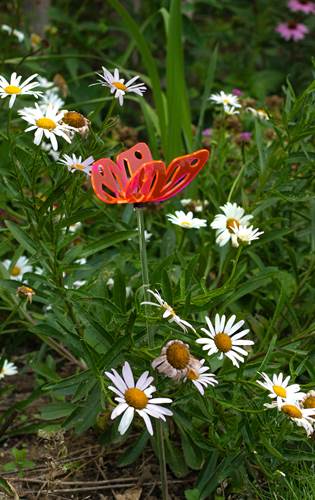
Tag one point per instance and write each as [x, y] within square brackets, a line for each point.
[181, 172]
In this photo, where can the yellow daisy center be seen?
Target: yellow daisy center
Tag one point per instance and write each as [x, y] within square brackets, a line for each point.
[280, 391]
[192, 375]
[136, 398]
[226, 101]
[78, 166]
[15, 271]
[231, 223]
[74, 119]
[309, 402]
[292, 411]
[223, 342]
[46, 123]
[185, 223]
[178, 355]
[120, 86]
[12, 89]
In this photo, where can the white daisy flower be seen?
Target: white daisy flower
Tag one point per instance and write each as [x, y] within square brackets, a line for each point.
[200, 378]
[74, 227]
[19, 268]
[13, 88]
[117, 85]
[81, 262]
[194, 205]
[11, 31]
[245, 234]
[8, 369]
[302, 417]
[136, 398]
[233, 216]
[49, 150]
[258, 113]
[50, 97]
[187, 221]
[75, 163]
[46, 123]
[229, 101]
[169, 312]
[224, 339]
[278, 388]
[47, 84]
[175, 360]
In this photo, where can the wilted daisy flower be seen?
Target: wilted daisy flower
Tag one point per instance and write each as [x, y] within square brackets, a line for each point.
[19, 268]
[75, 163]
[77, 121]
[7, 369]
[229, 101]
[233, 216]
[245, 234]
[25, 291]
[46, 123]
[224, 339]
[308, 401]
[292, 31]
[13, 88]
[278, 388]
[169, 312]
[303, 417]
[74, 227]
[258, 113]
[187, 221]
[118, 86]
[175, 360]
[11, 31]
[136, 397]
[200, 378]
[302, 6]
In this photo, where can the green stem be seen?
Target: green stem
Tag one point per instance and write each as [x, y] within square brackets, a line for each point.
[144, 269]
[236, 181]
[145, 280]
[163, 471]
[239, 251]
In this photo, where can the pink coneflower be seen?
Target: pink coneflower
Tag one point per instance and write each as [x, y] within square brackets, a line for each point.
[302, 6]
[237, 92]
[244, 137]
[207, 132]
[292, 30]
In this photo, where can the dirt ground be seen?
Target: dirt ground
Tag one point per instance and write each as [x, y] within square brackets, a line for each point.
[65, 466]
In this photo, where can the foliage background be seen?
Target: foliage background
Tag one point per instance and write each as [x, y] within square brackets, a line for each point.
[183, 51]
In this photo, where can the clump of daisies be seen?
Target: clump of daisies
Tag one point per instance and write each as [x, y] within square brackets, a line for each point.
[229, 102]
[233, 225]
[176, 362]
[118, 86]
[290, 400]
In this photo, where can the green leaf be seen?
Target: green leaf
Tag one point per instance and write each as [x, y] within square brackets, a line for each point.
[21, 237]
[132, 453]
[106, 242]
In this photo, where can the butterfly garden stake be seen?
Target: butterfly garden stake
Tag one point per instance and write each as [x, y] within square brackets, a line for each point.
[136, 178]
